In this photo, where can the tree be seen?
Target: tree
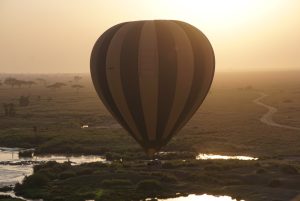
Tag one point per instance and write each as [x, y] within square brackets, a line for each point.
[29, 83]
[9, 109]
[77, 87]
[14, 82]
[19, 83]
[56, 85]
[10, 81]
[42, 81]
[77, 78]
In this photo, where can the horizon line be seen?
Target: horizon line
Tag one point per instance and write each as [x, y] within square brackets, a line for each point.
[250, 71]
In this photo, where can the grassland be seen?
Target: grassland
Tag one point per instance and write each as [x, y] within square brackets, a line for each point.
[227, 123]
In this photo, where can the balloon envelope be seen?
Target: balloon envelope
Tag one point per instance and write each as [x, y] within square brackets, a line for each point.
[152, 76]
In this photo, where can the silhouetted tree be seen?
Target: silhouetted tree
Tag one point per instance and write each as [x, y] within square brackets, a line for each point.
[19, 83]
[42, 81]
[9, 109]
[6, 109]
[77, 78]
[12, 111]
[10, 81]
[56, 85]
[14, 82]
[29, 83]
[77, 87]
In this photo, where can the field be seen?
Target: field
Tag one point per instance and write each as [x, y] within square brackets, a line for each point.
[227, 123]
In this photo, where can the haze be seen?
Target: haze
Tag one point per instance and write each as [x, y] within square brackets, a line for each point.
[39, 36]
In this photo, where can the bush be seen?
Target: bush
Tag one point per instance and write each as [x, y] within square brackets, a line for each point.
[6, 188]
[26, 154]
[214, 168]
[261, 171]
[115, 182]
[67, 174]
[165, 177]
[275, 183]
[86, 195]
[289, 169]
[36, 180]
[85, 171]
[169, 165]
[149, 185]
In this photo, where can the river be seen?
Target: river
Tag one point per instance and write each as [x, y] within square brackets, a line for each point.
[267, 118]
[13, 168]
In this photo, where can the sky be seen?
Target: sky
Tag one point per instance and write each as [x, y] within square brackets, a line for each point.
[57, 36]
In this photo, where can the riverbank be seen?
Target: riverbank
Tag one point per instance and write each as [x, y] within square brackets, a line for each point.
[14, 168]
[128, 180]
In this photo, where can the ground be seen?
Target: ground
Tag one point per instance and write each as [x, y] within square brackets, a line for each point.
[227, 123]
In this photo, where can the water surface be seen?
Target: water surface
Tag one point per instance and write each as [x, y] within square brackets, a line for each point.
[203, 197]
[223, 157]
[13, 168]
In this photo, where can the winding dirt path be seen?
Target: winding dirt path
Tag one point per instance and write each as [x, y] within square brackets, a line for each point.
[267, 118]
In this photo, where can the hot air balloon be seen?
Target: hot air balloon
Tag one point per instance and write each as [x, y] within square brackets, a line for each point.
[152, 76]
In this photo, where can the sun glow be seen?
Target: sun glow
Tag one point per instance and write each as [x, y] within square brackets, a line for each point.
[220, 13]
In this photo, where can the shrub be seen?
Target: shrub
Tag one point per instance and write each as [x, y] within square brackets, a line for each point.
[214, 168]
[289, 169]
[6, 188]
[165, 177]
[275, 183]
[36, 180]
[261, 171]
[115, 182]
[85, 171]
[149, 185]
[26, 154]
[169, 165]
[86, 195]
[67, 174]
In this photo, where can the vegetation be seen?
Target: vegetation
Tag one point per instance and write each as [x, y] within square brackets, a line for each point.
[16, 82]
[135, 180]
[56, 85]
[77, 87]
[52, 124]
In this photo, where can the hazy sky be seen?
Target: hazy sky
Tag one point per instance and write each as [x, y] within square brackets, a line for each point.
[53, 36]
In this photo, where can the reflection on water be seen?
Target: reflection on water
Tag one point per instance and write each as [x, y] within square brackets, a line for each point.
[14, 168]
[203, 197]
[85, 126]
[12, 156]
[12, 194]
[213, 156]
[11, 174]
[77, 160]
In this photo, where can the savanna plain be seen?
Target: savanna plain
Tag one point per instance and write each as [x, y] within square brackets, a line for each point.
[68, 118]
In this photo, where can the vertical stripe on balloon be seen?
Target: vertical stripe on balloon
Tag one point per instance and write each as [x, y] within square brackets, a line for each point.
[185, 71]
[167, 75]
[113, 74]
[130, 76]
[203, 75]
[148, 76]
[98, 72]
